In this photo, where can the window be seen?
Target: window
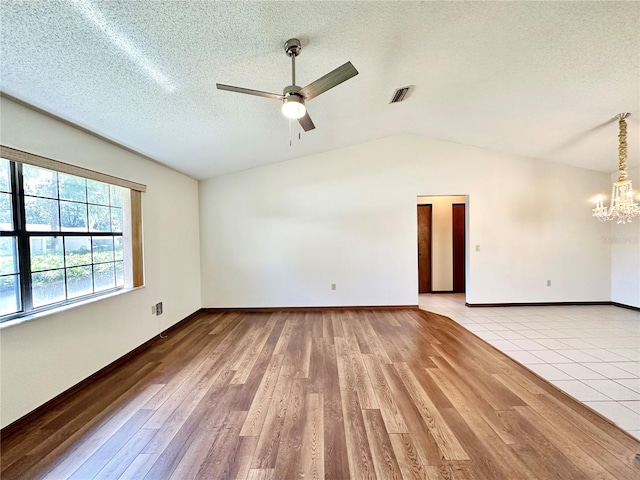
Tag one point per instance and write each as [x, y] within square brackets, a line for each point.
[63, 237]
[9, 273]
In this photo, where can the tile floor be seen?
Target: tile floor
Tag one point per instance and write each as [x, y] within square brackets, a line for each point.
[590, 352]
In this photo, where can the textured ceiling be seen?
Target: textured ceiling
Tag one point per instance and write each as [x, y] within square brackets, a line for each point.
[533, 78]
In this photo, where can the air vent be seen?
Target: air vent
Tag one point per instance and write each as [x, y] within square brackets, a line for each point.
[400, 94]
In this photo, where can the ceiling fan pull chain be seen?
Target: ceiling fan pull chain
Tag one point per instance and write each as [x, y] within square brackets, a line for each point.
[290, 142]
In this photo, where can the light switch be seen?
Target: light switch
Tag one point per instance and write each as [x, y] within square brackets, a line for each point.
[477, 248]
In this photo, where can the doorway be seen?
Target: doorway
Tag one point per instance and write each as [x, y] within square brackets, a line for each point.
[425, 224]
[441, 244]
[458, 237]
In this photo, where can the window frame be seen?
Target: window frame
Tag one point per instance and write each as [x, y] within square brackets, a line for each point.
[18, 159]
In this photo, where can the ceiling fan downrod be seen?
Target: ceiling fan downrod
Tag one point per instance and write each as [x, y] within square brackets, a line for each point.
[292, 48]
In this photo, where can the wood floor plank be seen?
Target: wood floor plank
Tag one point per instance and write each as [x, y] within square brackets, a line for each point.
[336, 462]
[484, 462]
[121, 461]
[484, 427]
[243, 368]
[408, 458]
[384, 459]
[193, 387]
[359, 454]
[375, 345]
[251, 385]
[347, 349]
[195, 453]
[220, 460]
[426, 444]
[139, 467]
[393, 420]
[489, 388]
[259, 407]
[348, 320]
[335, 394]
[261, 474]
[589, 466]
[327, 327]
[114, 446]
[198, 431]
[336, 324]
[469, 405]
[304, 358]
[270, 436]
[364, 342]
[316, 366]
[312, 452]
[537, 451]
[391, 316]
[187, 369]
[447, 441]
[283, 341]
[439, 399]
[186, 411]
[242, 457]
[288, 459]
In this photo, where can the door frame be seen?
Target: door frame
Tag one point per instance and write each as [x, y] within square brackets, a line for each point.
[467, 247]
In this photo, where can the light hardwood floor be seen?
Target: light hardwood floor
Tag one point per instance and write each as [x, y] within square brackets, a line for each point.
[336, 394]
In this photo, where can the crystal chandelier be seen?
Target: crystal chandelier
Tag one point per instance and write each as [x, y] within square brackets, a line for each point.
[623, 207]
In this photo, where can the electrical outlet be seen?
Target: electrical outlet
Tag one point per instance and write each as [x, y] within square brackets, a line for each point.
[153, 309]
[333, 286]
[159, 308]
[548, 283]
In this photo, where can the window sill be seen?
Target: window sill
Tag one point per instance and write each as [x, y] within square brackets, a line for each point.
[54, 311]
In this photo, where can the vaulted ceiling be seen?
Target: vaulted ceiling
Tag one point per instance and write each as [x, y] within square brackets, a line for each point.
[540, 79]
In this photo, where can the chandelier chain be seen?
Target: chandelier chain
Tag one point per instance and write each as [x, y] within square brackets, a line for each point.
[622, 151]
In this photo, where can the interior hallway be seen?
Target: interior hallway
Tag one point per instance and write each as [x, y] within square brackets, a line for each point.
[590, 352]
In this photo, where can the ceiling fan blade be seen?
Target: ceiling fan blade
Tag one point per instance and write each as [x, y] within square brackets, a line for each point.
[306, 123]
[248, 91]
[328, 81]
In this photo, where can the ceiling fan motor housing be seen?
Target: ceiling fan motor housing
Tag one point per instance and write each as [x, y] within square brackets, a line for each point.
[292, 90]
[292, 47]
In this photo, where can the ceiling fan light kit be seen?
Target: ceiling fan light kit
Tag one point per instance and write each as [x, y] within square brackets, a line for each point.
[293, 103]
[293, 107]
[294, 97]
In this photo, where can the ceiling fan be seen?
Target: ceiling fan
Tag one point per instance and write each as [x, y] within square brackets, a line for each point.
[294, 97]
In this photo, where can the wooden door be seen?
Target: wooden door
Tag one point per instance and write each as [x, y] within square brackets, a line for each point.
[424, 248]
[458, 221]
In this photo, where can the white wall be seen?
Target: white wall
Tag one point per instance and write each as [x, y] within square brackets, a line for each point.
[441, 239]
[44, 357]
[625, 253]
[280, 235]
